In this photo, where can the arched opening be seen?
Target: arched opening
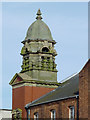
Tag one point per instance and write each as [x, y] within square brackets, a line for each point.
[36, 116]
[53, 114]
[45, 49]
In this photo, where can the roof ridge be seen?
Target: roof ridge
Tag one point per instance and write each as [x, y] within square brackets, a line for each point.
[66, 79]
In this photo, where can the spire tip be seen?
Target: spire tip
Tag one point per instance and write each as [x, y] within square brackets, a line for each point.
[39, 14]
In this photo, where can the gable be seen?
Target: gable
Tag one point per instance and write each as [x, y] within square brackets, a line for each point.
[16, 79]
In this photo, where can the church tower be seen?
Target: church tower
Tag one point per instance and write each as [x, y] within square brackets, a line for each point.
[39, 74]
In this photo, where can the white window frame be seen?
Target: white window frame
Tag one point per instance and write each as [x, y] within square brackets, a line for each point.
[36, 116]
[71, 112]
[53, 114]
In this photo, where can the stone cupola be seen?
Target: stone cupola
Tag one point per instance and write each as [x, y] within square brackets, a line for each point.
[38, 75]
[38, 52]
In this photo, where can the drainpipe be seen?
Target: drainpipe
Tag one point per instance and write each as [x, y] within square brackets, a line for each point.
[77, 97]
[26, 112]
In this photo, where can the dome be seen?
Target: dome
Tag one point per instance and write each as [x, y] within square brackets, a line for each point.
[38, 30]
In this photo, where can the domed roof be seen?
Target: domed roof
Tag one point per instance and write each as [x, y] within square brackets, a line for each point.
[38, 30]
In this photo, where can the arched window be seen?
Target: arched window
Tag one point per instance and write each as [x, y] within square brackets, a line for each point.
[53, 114]
[45, 49]
[71, 112]
[36, 116]
[27, 50]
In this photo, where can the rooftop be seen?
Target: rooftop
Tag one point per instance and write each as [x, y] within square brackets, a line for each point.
[68, 89]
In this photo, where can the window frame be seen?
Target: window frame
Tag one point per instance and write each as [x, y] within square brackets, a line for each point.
[53, 114]
[36, 116]
[71, 112]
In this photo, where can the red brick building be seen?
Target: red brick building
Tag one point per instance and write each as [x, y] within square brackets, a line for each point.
[84, 91]
[35, 90]
[69, 100]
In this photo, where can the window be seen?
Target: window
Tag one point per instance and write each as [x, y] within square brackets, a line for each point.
[42, 57]
[27, 50]
[45, 49]
[28, 114]
[48, 58]
[53, 114]
[36, 116]
[71, 112]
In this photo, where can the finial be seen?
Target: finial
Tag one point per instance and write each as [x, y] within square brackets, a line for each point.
[39, 15]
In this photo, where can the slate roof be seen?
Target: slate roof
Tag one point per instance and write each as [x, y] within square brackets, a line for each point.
[68, 89]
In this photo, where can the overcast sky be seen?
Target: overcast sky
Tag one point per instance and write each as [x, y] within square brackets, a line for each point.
[68, 23]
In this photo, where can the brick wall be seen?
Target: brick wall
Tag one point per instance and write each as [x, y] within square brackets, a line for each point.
[84, 91]
[61, 107]
[18, 98]
[26, 94]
